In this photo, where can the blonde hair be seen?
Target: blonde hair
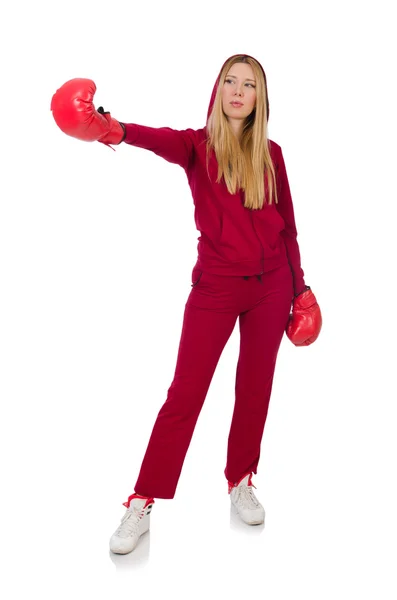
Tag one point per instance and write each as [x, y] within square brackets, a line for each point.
[243, 163]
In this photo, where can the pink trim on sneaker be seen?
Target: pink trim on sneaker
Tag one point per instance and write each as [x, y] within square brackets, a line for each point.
[147, 498]
[232, 485]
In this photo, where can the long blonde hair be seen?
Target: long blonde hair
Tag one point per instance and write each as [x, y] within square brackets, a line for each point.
[243, 163]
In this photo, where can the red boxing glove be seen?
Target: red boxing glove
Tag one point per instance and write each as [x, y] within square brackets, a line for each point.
[74, 113]
[304, 324]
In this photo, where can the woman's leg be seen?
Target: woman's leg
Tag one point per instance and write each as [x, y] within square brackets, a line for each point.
[261, 330]
[207, 326]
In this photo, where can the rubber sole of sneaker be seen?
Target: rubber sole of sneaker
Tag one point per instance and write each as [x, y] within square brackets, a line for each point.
[128, 550]
[256, 522]
[120, 550]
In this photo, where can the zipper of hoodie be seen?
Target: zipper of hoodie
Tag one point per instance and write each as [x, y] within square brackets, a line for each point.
[263, 251]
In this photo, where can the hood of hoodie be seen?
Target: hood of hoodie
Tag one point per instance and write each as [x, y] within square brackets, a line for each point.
[217, 83]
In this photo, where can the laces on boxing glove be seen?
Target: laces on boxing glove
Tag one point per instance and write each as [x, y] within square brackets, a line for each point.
[102, 111]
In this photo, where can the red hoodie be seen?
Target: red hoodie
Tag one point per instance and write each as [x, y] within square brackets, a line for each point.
[234, 240]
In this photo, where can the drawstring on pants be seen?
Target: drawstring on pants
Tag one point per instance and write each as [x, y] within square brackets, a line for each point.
[259, 277]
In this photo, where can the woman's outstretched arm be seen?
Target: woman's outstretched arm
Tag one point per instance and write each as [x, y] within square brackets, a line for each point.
[175, 146]
[74, 112]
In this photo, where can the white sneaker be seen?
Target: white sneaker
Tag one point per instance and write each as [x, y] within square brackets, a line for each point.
[134, 523]
[245, 502]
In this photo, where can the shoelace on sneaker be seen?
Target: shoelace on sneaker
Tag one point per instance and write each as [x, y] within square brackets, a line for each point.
[130, 522]
[246, 496]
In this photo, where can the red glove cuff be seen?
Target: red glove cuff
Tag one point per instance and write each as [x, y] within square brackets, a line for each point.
[305, 299]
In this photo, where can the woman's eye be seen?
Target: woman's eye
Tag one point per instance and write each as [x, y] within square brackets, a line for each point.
[231, 81]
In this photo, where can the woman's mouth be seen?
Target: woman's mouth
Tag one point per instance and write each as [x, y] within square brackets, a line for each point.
[236, 104]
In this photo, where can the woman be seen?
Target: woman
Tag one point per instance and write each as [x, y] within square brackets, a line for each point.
[248, 267]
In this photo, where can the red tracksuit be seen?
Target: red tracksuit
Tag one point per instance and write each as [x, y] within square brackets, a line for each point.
[248, 267]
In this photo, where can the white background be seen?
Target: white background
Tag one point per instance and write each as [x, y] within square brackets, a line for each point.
[96, 253]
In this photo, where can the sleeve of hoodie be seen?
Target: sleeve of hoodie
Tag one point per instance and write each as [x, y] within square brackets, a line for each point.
[175, 146]
[289, 233]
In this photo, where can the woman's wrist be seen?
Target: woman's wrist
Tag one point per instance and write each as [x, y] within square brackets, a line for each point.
[307, 287]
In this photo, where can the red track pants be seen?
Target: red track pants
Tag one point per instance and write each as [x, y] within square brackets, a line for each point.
[262, 303]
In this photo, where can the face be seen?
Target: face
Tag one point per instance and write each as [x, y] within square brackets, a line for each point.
[239, 86]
